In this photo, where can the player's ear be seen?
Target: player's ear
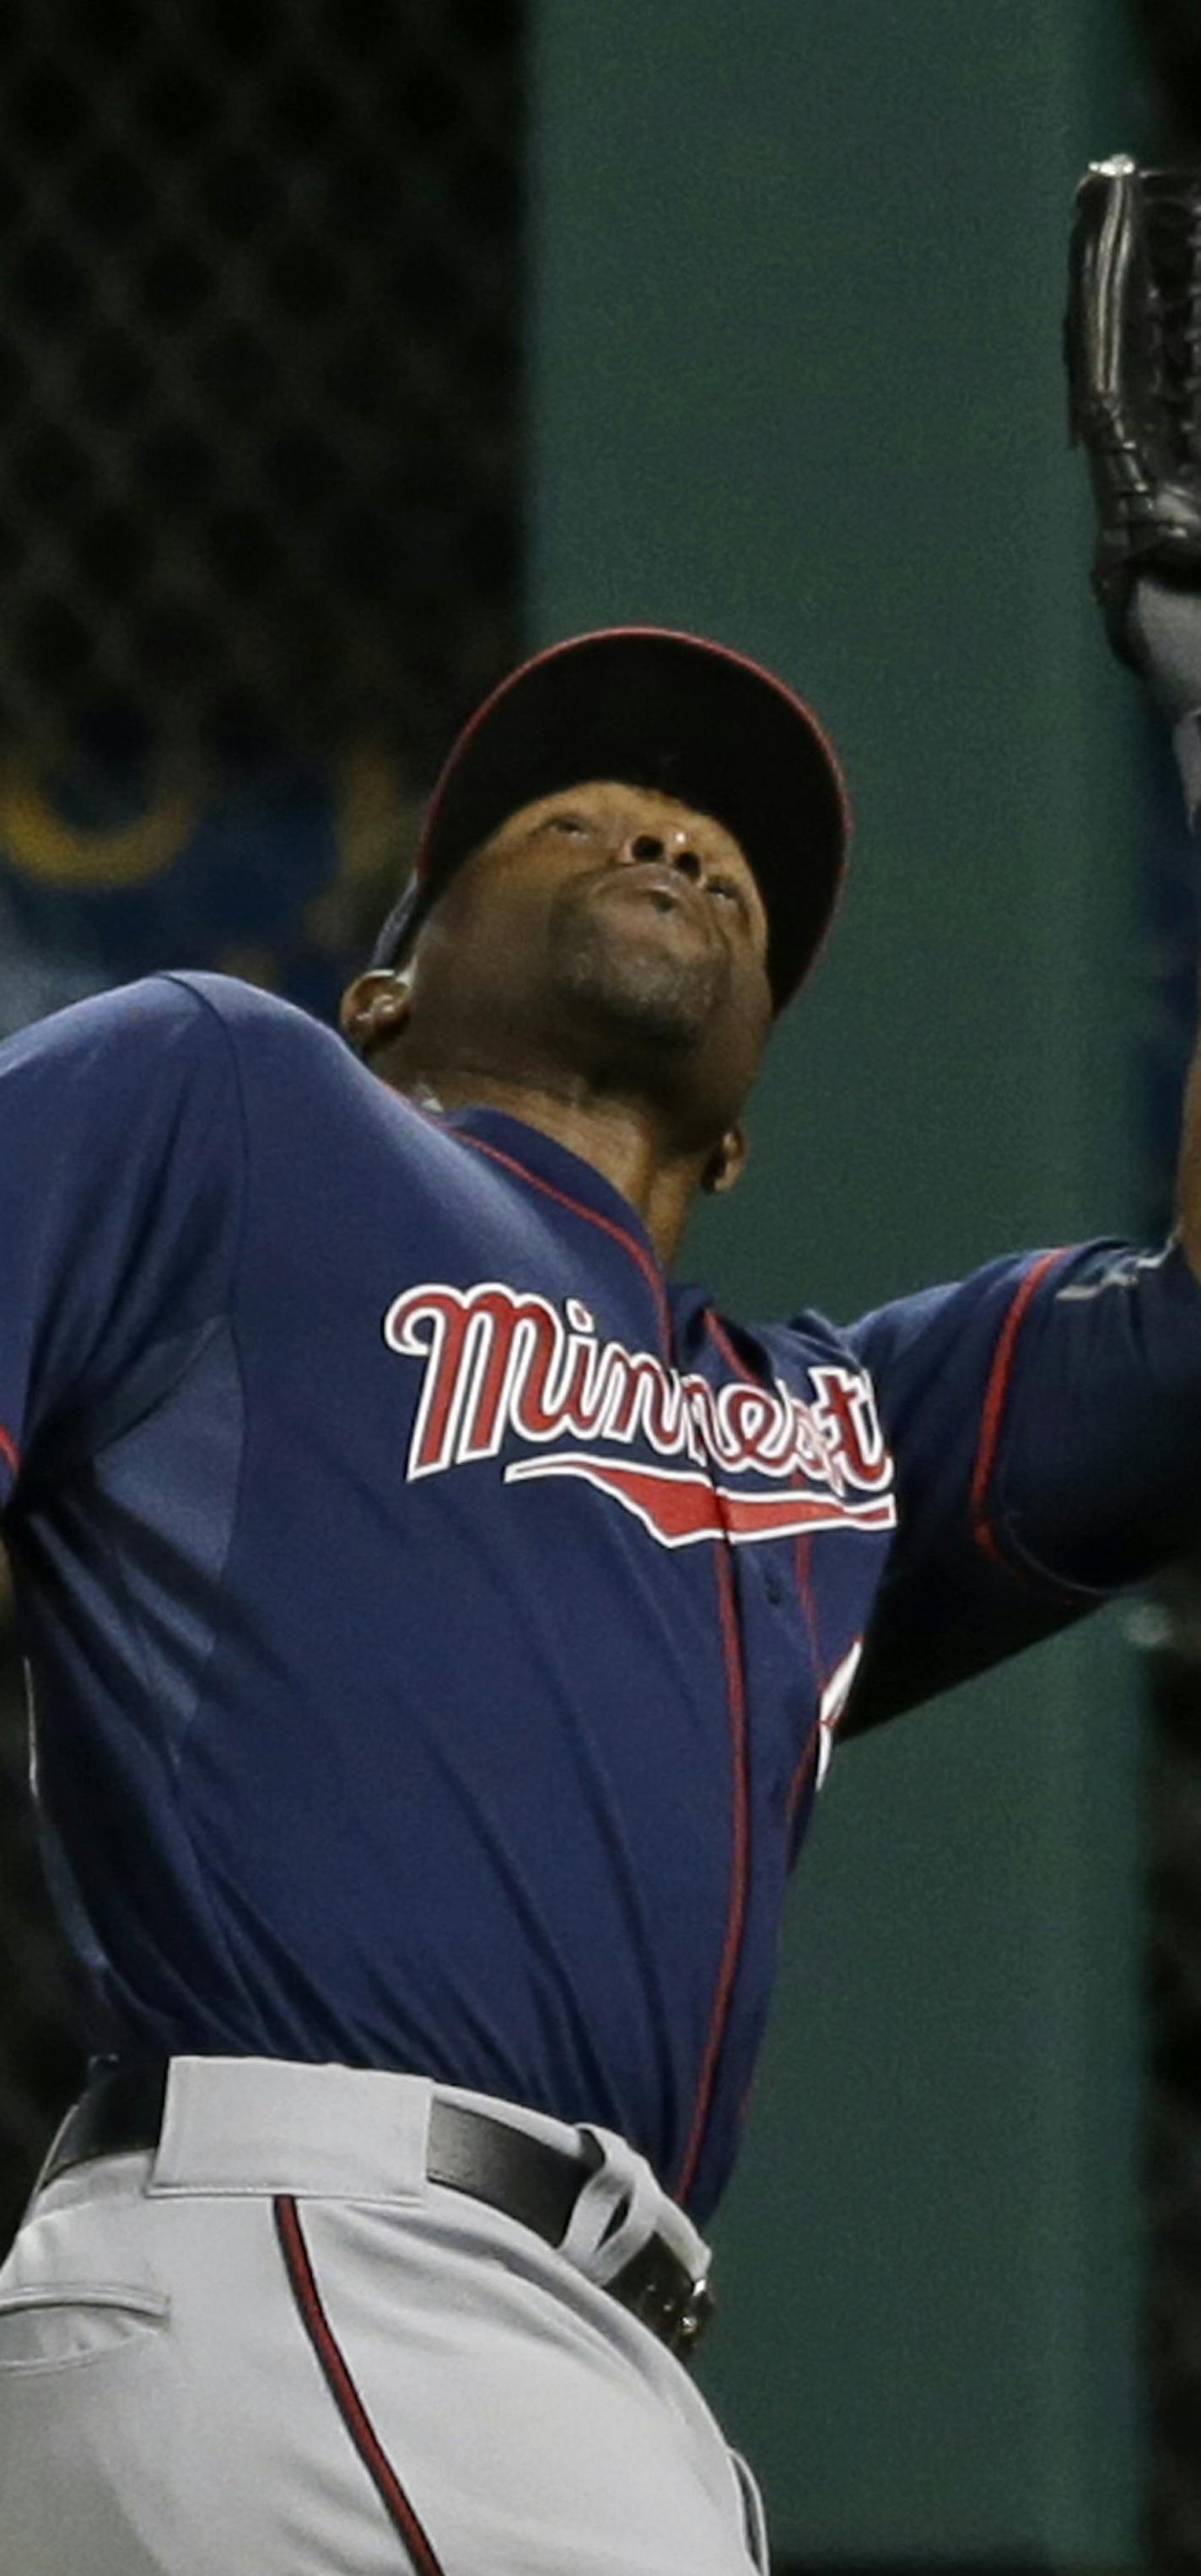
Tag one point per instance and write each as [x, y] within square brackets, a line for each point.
[727, 1162]
[374, 1008]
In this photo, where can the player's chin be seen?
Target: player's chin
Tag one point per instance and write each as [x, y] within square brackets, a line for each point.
[664, 992]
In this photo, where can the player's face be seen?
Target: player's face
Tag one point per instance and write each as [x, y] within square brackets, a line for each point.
[617, 923]
[654, 848]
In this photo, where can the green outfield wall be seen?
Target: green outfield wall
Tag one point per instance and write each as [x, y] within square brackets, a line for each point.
[796, 280]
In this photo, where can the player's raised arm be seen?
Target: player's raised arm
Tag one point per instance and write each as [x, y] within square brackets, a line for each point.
[1046, 1414]
[1134, 369]
[1045, 1419]
[118, 1154]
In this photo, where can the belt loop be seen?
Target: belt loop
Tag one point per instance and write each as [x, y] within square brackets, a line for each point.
[616, 2211]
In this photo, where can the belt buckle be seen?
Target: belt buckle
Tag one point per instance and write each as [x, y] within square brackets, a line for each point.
[677, 2310]
[693, 2317]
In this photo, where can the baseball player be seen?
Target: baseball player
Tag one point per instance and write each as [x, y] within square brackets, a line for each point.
[438, 1627]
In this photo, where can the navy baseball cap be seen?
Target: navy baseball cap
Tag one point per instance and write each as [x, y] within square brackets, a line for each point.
[657, 708]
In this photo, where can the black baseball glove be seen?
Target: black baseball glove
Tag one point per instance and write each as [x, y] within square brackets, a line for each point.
[1132, 341]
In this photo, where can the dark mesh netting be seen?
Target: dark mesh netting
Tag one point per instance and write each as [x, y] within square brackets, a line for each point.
[257, 367]
[260, 452]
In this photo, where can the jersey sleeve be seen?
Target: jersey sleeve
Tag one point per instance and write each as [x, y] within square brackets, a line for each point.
[119, 1184]
[1045, 1419]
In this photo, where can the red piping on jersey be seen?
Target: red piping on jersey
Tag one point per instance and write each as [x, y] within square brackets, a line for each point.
[9, 1450]
[344, 2392]
[995, 1401]
[800, 1778]
[736, 1692]
[804, 1550]
[726, 1347]
[578, 1207]
[736, 1699]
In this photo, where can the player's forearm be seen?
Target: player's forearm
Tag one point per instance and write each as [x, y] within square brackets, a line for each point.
[1165, 625]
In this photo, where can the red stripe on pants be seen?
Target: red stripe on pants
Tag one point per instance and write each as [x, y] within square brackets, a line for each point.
[345, 2395]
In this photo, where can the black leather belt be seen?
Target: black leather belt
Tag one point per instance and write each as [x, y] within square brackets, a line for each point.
[121, 2113]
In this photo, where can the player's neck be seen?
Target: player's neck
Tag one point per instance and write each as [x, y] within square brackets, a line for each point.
[619, 1138]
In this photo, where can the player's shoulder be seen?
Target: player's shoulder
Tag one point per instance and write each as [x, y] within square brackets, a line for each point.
[178, 1027]
[280, 1055]
[157, 1004]
[121, 1023]
[250, 1016]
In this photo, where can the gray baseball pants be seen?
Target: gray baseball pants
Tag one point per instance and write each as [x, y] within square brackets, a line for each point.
[273, 2346]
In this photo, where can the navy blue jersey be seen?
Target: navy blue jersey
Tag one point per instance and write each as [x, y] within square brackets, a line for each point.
[438, 1623]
